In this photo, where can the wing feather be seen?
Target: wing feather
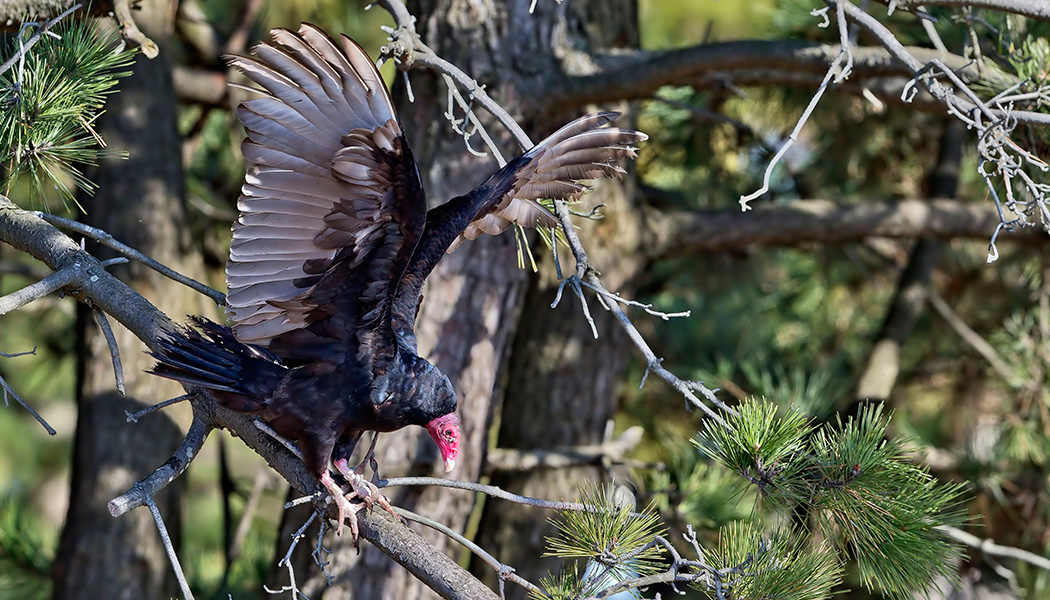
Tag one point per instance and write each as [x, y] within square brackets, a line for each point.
[331, 208]
[553, 169]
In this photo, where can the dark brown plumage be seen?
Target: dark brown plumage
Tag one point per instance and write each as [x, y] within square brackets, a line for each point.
[333, 245]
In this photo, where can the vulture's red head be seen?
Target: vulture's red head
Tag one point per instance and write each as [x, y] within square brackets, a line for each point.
[445, 431]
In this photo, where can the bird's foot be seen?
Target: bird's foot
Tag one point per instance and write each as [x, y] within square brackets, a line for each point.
[347, 510]
[364, 489]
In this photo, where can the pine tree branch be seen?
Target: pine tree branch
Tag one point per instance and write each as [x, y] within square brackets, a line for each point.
[638, 74]
[1033, 9]
[681, 233]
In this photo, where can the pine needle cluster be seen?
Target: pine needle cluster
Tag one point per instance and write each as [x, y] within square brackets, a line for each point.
[49, 101]
[855, 484]
[780, 564]
[615, 540]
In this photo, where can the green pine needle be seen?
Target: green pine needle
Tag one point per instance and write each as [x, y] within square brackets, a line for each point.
[861, 490]
[46, 118]
[613, 536]
[775, 565]
[567, 585]
[884, 508]
[758, 444]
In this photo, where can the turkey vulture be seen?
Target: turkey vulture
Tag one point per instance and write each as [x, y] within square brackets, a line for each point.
[331, 249]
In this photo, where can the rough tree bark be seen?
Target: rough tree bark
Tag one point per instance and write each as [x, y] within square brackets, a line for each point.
[140, 202]
[562, 385]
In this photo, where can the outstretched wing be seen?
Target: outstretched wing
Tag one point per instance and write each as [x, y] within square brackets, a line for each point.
[332, 206]
[553, 169]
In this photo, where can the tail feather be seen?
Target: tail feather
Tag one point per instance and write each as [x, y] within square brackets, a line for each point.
[209, 356]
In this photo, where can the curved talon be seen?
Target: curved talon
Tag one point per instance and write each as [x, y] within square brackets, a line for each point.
[347, 510]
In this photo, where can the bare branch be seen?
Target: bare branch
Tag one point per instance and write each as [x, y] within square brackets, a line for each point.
[1034, 9]
[435, 569]
[586, 273]
[49, 285]
[989, 547]
[839, 69]
[114, 351]
[41, 30]
[109, 241]
[637, 75]
[199, 86]
[133, 417]
[131, 32]
[505, 572]
[8, 391]
[146, 488]
[971, 337]
[512, 459]
[17, 354]
[488, 490]
[680, 233]
[411, 53]
[286, 561]
[187, 594]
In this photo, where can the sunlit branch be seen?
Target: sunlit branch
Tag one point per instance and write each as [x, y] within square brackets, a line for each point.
[109, 241]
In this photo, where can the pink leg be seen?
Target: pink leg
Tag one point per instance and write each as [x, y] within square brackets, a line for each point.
[347, 509]
[363, 489]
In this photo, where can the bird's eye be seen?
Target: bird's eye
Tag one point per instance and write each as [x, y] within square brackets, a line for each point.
[448, 433]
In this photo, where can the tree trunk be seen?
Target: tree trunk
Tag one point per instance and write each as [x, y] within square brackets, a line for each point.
[484, 321]
[139, 201]
[563, 384]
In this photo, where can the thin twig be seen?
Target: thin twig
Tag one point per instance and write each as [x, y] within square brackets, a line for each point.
[265, 428]
[144, 489]
[971, 337]
[46, 286]
[114, 351]
[489, 490]
[17, 354]
[648, 308]
[287, 561]
[133, 417]
[504, 571]
[844, 56]
[8, 391]
[26, 46]
[988, 546]
[187, 594]
[109, 241]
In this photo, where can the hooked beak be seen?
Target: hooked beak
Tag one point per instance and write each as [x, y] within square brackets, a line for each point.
[450, 463]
